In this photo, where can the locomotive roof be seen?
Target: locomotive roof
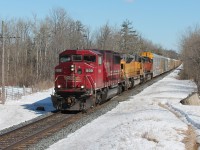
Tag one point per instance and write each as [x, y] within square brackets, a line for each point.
[86, 51]
[80, 51]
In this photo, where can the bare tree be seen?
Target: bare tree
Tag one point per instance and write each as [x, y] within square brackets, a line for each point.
[103, 37]
[190, 52]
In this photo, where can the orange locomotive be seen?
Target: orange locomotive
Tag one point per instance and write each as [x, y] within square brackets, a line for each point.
[148, 65]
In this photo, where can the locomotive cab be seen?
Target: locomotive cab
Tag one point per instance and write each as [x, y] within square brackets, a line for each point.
[75, 79]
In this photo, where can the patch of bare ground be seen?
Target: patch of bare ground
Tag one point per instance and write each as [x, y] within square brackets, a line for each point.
[192, 99]
[149, 137]
[190, 135]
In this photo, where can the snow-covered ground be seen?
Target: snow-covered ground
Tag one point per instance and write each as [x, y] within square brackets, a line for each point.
[142, 122]
[16, 111]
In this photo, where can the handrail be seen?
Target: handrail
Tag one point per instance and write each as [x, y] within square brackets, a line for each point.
[92, 87]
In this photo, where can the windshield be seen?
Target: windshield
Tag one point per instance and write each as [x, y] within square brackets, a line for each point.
[90, 58]
[65, 58]
[68, 58]
[77, 57]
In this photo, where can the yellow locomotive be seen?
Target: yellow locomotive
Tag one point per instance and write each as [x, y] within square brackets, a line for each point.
[131, 70]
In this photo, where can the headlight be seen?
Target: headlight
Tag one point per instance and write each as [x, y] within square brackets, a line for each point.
[72, 67]
[82, 86]
[58, 70]
[59, 86]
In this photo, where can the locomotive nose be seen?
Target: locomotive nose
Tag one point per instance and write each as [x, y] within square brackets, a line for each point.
[74, 76]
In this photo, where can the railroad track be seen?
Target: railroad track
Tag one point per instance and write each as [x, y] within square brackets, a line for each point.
[23, 137]
[30, 134]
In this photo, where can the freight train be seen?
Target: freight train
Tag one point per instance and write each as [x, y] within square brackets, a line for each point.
[88, 77]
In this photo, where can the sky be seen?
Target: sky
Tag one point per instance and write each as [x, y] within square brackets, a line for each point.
[151, 119]
[161, 21]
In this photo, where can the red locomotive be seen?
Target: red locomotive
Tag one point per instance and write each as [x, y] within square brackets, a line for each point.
[92, 75]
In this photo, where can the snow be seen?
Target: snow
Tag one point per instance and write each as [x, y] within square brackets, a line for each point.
[142, 122]
[16, 111]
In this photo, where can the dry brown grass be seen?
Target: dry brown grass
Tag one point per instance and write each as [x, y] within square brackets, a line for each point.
[149, 137]
[42, 86]
[165, 107]
[190, 139]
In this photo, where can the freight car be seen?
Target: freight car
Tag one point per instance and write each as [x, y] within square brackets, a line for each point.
[85, 78]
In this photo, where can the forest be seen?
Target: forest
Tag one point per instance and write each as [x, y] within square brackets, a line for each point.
[29, 47]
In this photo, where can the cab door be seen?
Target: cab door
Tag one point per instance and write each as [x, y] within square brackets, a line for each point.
[99, 72]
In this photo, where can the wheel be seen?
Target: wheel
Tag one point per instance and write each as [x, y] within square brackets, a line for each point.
[98, 98]
[151, 75]
[123, 87]
[59, 106]
[104, 95]
[141, 79]
[82, 105]
[120, 89]
[132, 83]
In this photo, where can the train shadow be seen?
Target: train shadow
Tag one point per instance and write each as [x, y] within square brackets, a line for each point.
[41, 106]
[44, 106]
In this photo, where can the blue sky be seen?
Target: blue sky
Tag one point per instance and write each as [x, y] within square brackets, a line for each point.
[161, 21]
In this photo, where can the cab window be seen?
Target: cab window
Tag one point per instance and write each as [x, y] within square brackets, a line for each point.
[77, 57]
[117, 59]
[89, 58]
[65, 58]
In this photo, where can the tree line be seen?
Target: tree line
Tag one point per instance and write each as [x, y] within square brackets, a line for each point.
[190, 54]
[31, 58]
